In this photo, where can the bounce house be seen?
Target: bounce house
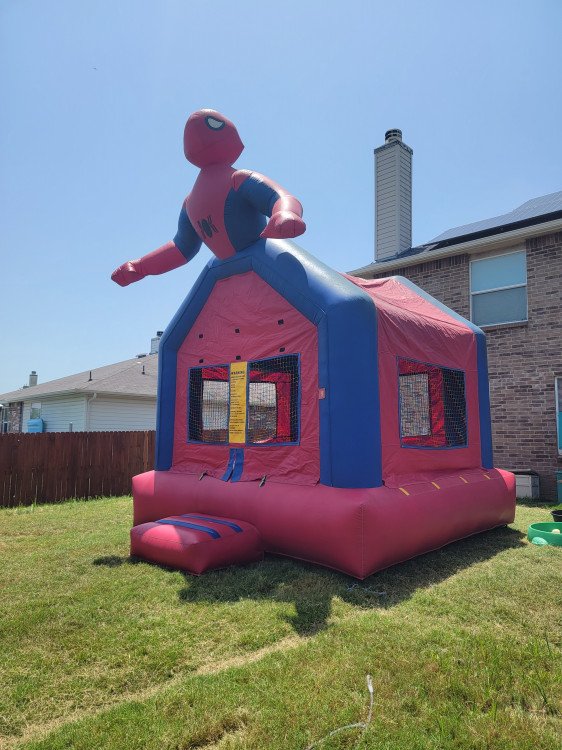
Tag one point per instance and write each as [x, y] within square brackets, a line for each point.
[304, 412]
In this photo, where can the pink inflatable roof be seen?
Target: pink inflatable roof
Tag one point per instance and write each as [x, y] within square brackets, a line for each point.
[414, 329]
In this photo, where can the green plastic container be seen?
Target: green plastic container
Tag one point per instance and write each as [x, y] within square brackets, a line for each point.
[544, 531]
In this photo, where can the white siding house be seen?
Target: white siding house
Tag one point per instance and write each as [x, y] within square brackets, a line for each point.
[58, 413]
[110, 413]
[116, 397]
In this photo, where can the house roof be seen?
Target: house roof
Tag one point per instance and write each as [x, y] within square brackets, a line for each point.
[535, 208]
[123, 378]
[534, 211]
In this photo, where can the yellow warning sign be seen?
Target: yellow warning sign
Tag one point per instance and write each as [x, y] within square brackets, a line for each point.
[237, 419]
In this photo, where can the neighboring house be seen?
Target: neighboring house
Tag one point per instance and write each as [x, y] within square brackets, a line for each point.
[116, 397]
[504, 274]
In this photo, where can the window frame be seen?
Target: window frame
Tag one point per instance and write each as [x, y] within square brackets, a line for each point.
[4, 419]
[464, 445]
[247, 444]
[35, 406]
[207, 442]
[298, 405]
[498, 289]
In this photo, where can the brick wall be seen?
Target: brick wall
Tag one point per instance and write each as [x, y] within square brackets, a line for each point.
[15, 416]
[523, 359]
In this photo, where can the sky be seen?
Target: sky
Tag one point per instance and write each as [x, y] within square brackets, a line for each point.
[93, 100]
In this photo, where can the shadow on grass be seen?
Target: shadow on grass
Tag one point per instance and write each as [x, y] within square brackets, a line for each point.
[114, 561]
[311, 588]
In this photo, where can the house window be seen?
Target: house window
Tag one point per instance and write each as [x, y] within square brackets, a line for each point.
[498, 289]
[35, 411]
[4, 419]
[432, 406]
[251, 403]
[558, 393]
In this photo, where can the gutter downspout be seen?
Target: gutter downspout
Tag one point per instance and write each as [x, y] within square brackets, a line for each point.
[87, 420]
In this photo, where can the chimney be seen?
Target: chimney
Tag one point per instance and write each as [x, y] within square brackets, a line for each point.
[393, 196]
[155, 342]
[32, 378]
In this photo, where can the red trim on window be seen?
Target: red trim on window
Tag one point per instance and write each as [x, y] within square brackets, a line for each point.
[282, 382]
[215, 373]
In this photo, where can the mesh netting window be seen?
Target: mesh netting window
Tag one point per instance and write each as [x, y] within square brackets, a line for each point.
[414, 405]
[209, 393]
[273, 400]
[272, 407]
[432, 405]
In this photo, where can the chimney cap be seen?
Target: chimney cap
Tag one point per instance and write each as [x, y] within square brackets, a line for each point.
[159, 333]
[394, 134]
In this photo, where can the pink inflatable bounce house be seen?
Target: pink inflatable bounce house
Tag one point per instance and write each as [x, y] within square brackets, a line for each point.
[301, 411]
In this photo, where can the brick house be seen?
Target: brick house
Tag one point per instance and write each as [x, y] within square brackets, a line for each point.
[504, 274]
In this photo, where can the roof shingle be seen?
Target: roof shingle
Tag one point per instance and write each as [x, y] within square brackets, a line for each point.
[123, 378]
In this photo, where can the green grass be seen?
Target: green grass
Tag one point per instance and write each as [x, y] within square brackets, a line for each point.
[97, 651]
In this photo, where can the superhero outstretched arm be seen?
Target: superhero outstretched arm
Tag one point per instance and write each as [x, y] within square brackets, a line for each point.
[265, 195]
[173, 254]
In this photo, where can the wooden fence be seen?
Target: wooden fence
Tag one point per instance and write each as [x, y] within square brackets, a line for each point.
[54, 466]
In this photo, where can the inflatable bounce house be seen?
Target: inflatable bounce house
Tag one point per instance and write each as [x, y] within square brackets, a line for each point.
[301, 411]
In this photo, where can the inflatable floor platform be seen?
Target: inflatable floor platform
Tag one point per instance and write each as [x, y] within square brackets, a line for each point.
[198, 524]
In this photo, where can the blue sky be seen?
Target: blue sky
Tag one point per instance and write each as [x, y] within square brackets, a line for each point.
[94, 96]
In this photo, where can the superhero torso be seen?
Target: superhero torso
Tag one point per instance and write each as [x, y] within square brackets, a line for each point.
[222, 217]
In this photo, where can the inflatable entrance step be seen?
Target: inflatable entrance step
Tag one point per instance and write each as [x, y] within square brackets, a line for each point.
[196, 542]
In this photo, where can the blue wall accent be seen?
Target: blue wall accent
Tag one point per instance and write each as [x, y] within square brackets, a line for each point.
[350, 449]
[238, 464]
[484, 414]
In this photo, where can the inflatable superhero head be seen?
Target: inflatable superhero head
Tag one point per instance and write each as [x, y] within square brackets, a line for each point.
[211, 138]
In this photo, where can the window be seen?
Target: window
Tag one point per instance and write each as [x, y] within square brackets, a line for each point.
[35, 411]
[558, 393]
[209, 393]
[273, 400]
[498, 289]
[432, 406]
[4, 419]
[414, 399]
[251, 403]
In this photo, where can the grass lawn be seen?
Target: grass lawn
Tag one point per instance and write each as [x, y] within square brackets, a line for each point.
[99, 652]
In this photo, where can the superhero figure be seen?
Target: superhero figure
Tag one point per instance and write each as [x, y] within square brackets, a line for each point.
[226, 208]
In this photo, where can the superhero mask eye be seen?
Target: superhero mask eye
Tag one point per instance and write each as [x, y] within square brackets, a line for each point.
[213, 123]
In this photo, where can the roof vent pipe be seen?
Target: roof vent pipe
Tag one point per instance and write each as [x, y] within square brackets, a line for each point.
[393, 135]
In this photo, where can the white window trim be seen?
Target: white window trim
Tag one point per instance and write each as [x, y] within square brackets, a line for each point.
[498, 289]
